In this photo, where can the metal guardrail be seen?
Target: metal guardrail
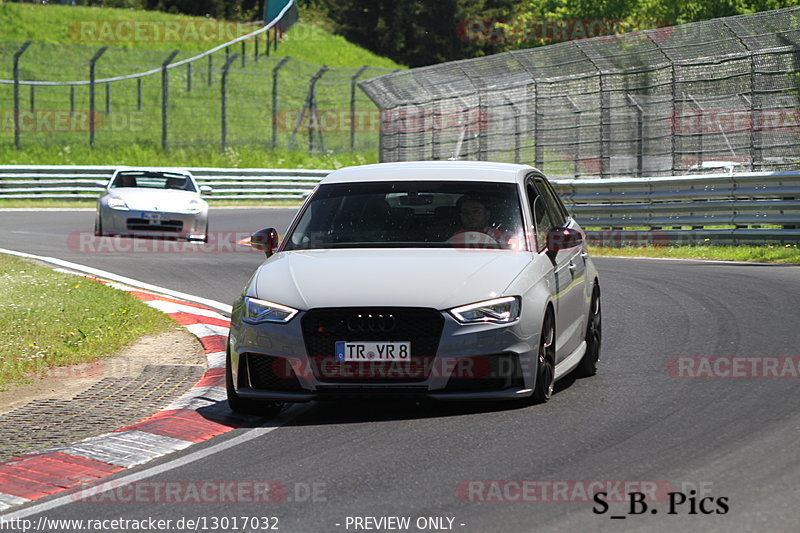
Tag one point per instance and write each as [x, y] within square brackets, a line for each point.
[81, 182]
[730, 208]
[744, 207]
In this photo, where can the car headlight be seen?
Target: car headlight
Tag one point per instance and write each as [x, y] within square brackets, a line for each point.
[260, 311]
[497, 311]
[195, 206]
[117, 203]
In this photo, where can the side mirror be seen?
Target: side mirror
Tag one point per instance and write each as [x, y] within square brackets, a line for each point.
[562, 239]
[265, 240]
[206, 189]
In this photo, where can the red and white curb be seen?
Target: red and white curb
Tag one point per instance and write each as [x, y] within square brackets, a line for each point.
[176, 427]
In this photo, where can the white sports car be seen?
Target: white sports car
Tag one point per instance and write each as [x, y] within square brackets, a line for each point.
[446, 280]
[153, 203]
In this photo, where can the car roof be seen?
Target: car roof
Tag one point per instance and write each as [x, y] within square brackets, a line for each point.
[431, 171]
[170, 170]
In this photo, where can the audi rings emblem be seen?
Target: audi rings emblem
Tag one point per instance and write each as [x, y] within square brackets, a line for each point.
[372, 323]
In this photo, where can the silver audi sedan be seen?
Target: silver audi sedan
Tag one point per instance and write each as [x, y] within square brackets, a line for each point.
[153, 203]
[448, 280]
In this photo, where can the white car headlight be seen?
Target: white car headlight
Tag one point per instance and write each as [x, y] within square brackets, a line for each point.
[497, 311]
[117, 203]
[195, 206]
[259, 311]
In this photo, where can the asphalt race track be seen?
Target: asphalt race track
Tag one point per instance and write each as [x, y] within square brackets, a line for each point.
[635, 422]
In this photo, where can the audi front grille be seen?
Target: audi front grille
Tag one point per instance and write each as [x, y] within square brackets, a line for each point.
[421, 327]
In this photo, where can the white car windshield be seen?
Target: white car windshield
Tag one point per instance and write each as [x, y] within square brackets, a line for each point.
[422, 214]
[153, 180]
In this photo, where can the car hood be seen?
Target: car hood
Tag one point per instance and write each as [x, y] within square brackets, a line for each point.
[141, 199]
[435, 278]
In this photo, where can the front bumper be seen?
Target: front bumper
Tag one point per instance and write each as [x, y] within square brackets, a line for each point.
[475, 362]
[169, 225]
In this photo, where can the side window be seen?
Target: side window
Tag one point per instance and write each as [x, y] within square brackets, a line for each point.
[551, 202]
[559, 203]
[541, 216]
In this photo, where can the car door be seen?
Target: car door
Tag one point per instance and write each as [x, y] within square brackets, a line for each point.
[570, 275]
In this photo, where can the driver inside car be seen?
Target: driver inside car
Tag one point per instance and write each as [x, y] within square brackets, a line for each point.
[476, 230]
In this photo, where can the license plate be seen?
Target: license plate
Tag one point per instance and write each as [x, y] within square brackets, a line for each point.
[372, 351]
[153, 217]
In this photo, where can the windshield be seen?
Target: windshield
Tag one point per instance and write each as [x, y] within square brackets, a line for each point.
[429, 214]
[153, 180]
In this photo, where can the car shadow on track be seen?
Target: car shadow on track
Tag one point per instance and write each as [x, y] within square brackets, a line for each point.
[384, 410]
[349, 411]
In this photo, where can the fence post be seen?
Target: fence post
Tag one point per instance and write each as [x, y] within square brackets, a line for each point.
[673, 116]
[353, 105]
[210, 68]
[92, 64]
[754, 136]
[138, 94]
[309, 106]
[577, 155]
[639, 135]
[255, 46]
[676, 163]
[537, 131]
[16, 91]
[224, 100]
[605, 113]
[275, 71]
[165, 98]
[436, 121]
[700, 130]
[314, 122]
[71, 100]
[33, 98]
[188, 77]
[517, 135]
[244, 54]
[108, 98]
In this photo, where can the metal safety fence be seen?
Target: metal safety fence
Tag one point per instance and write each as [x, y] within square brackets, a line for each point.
[235, 94]
[656, 102]
[731, 208]
[18, 182]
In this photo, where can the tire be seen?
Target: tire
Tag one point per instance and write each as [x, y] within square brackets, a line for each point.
[247, 406]
[546, 366]
[594, 336]
[98, 227]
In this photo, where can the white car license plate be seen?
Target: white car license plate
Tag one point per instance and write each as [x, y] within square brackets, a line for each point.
[153, 217]
[373, 351]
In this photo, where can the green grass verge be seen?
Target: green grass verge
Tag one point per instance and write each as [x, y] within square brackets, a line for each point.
[145, 154]
[98, 26]
[128, 113]
[769, 253]
[50, 319]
